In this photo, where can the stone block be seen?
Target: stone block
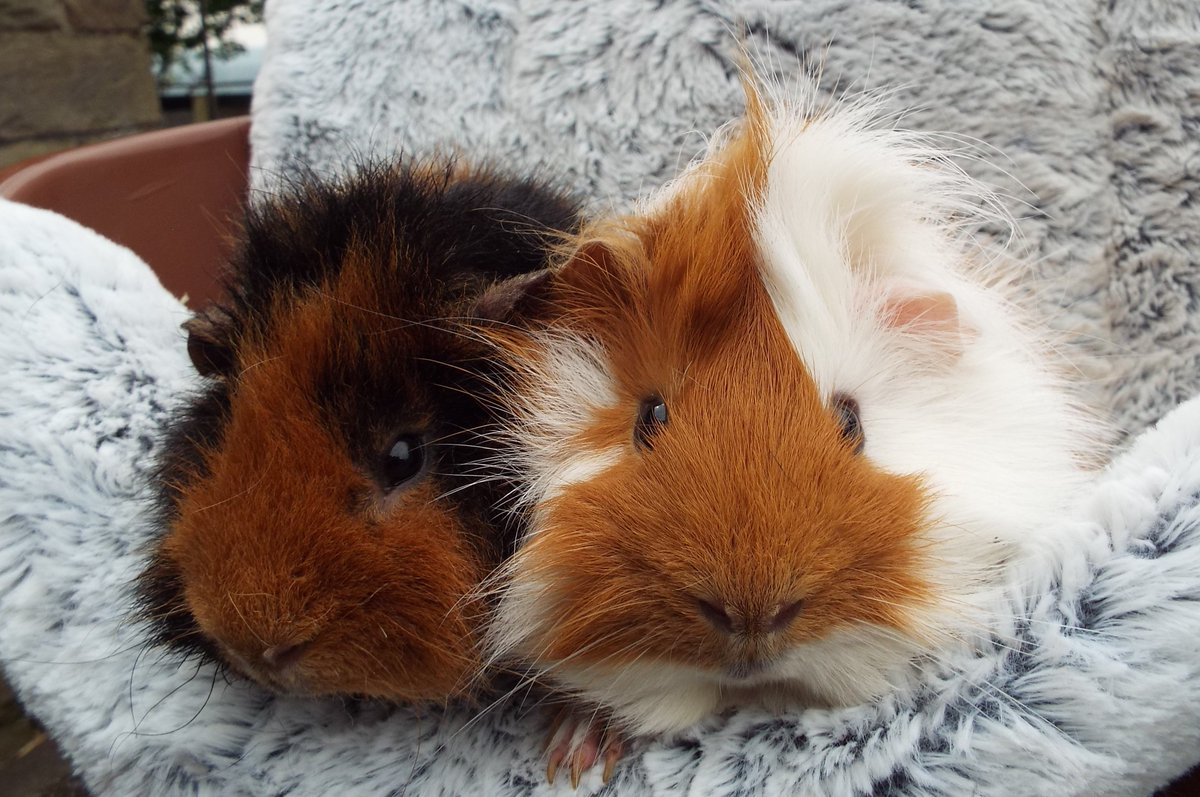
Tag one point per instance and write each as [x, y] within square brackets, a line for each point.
[24, 150]
[106, 15]
[32, 15]
[57, 84]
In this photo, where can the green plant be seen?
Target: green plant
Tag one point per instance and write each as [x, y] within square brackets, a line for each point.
[175, 27]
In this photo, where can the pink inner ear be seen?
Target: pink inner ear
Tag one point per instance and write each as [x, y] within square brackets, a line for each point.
[927, 312]
[936, 311]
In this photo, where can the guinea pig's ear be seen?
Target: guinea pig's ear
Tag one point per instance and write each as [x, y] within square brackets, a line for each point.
[591, 271]
[209, 343]
[511, 299]
[929, 313]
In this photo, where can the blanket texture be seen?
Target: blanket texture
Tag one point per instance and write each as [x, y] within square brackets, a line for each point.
[1085, 113]
[1090, 687]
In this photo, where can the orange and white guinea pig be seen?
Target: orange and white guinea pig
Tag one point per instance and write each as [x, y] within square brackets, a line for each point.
[322, 531]
[776, 434]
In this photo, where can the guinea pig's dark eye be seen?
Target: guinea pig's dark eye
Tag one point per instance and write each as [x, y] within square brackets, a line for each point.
[652, 416]
[403, 461]
[846, 410]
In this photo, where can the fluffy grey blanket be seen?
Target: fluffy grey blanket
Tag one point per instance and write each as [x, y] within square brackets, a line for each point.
[1092, 687]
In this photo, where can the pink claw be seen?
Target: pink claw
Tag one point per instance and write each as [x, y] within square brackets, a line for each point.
[579, 741]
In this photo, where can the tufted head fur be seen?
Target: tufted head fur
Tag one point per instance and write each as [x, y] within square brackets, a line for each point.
[778, 434]
[321, 533]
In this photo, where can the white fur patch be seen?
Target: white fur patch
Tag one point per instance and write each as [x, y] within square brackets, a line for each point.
[520, 614]
[560, 392]
[850, 212]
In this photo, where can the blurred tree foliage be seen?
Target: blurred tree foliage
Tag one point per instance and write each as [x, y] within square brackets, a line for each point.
[175, 27]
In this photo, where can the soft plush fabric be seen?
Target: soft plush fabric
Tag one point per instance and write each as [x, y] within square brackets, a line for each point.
[1082, 113]
[1093, 688]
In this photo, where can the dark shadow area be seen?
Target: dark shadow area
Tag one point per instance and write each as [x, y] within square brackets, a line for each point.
[30, 763]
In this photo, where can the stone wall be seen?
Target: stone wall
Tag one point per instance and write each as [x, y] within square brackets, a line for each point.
[71, 72]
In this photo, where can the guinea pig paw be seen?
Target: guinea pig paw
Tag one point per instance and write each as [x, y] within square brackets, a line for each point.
[578, 742]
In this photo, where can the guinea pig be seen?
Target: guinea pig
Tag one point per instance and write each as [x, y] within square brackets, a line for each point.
[322, 531]
[777, 433]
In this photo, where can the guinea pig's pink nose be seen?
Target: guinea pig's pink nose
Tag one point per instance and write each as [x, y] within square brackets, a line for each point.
[729, 619]
[281, 657]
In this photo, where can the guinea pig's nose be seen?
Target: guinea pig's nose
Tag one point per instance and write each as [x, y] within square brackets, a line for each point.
[281, 657]
[730, 619]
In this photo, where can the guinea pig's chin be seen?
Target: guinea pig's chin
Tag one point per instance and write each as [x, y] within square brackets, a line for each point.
[291, 681]
[851, 666]
[848, 667]
[284, 687]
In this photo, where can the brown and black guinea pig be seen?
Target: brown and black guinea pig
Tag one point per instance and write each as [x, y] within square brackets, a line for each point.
[323, 528]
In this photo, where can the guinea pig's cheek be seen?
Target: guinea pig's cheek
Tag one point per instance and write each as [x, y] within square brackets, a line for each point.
[423, 550]
[216, 627]
[544, 598]
[195, 577]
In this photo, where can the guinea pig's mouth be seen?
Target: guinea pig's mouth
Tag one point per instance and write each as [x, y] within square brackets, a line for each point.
[283, 682]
